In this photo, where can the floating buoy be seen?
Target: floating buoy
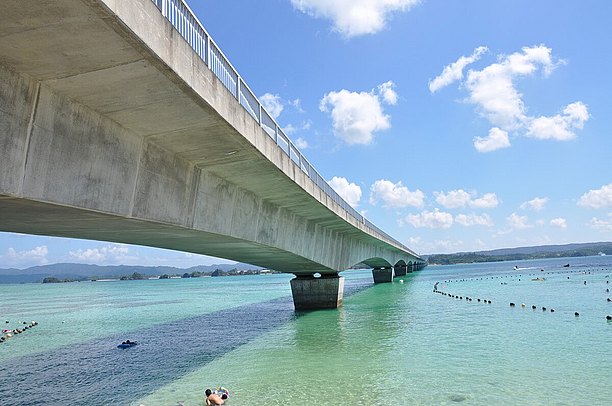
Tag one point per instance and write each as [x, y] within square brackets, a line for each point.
[522, 304]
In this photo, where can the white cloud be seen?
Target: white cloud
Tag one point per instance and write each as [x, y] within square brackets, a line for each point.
[459, 198]
[497, 139]
[111, 253]
[454, 71]
[430, 219]
[357, 116]
[37, 255]
[348, 191]
[487, 201]
[535, 204]
[492, 90]
[388, 94]
[453, 199]
[468, 220]
[354, 17]
[517, 222]
[395, 195]
[559, 222]
[272, 103]
[597, 198]
[301, 143]
[601, 224]
[559, 127]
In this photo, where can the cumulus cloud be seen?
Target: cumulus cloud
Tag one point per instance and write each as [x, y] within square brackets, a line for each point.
[395, 195]
[454, 71]
[453, 199]
[387, 93]
[487, 201]
[492, 90]
[430, 219]
[468, 220]
[559, 222]
[518, 222]
[601, 224]
[356, 116]
[497, 139]
[561, 126]
[111, 252]
[301, 143]
[597, 198]
[535, 204]
[459, 198]
[352, 18]
[36, 255]
[272, 103]
[348, 191]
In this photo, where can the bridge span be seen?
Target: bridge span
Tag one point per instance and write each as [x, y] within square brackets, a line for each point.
[123, 121]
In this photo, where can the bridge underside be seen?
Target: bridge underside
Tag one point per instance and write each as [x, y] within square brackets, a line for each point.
[30, 217]
[113, 129]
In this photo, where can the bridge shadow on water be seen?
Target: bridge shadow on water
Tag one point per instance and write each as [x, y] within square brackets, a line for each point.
[98, 373]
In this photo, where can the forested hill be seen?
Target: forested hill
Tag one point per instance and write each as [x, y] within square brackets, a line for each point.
[84, 272]
[515, 254]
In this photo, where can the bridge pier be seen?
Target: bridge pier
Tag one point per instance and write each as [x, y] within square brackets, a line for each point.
[383, 275]
[310, 293]
[400, 270]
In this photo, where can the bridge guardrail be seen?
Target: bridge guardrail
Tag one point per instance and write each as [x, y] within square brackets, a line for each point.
[178, 13]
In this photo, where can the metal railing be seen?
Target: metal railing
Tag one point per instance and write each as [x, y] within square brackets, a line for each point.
[178, 13]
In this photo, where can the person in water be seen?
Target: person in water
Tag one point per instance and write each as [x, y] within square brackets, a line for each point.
[213, 398]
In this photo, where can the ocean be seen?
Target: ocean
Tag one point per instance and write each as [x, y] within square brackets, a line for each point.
[389, 344]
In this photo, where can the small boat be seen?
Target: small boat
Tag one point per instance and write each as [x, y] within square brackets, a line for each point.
[566, 266]
[127, 344]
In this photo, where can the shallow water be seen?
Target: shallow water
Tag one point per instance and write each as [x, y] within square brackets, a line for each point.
[390, 344]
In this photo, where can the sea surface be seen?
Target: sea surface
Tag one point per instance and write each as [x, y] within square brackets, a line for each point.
[389, 344]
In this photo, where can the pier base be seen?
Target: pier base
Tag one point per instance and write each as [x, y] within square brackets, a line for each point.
[383, 275]
[400, 270]
[310, 293]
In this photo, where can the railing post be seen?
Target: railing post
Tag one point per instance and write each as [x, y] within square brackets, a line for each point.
[164, 8]
[208, 51]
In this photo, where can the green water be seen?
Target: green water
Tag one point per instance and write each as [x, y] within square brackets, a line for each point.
[389, 344]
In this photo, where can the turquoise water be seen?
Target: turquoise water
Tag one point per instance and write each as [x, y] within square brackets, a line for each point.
[390, 344]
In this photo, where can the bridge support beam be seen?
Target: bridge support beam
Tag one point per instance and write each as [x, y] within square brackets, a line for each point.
[310, 293]
[400, 270]
[383, 275]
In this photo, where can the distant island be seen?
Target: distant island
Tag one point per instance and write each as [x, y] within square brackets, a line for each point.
[59, 273]
[68, 272]
[522, 253]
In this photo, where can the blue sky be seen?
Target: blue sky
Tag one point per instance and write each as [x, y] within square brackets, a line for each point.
[453, 126]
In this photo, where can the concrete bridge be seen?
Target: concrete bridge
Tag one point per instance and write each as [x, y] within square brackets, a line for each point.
[123, 121]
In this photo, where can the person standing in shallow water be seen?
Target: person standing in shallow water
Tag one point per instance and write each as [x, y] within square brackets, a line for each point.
[213, 398]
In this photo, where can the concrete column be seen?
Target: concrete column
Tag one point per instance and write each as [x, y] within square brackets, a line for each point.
[382, 275]
[400, 270]
[310, 293]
